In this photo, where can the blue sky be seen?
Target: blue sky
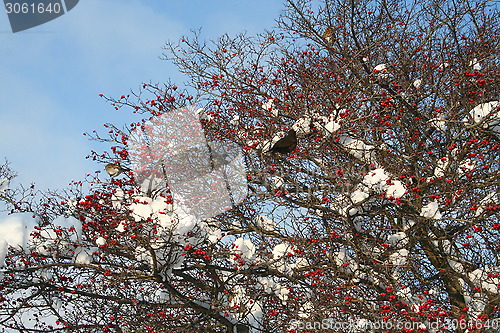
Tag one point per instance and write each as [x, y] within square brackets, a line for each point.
[51, 75]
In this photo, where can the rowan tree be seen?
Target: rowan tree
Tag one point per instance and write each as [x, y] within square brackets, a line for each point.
[369, 132]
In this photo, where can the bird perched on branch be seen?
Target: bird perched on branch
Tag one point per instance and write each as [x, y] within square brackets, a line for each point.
[286, 144]
[113, 169]
[328, 36]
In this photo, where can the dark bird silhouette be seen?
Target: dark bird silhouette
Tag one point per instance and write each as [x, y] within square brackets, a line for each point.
[286, 144]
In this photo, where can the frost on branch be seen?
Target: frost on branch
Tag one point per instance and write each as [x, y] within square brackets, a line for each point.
[22, 231]
[15, 231]
[431, 210]
[269, 106]
[487, 115]
[4, 185]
